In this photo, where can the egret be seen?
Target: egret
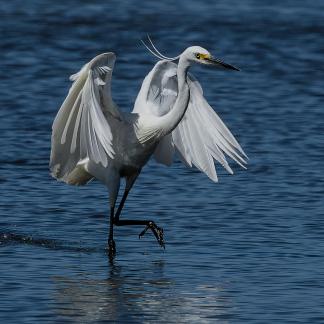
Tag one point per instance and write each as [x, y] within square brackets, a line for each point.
[92, 138]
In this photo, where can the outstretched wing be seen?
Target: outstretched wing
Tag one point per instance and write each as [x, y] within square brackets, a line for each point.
[81, 128]
[159, 90]
[201, 137]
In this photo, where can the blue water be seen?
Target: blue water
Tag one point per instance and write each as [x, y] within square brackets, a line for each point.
[249, 249]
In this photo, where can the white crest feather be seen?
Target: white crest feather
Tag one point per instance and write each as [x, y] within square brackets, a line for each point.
[156, 52]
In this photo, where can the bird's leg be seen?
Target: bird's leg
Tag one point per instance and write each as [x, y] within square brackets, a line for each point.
[111, 242]
[112, 197]
[121, 204]
[157, 231]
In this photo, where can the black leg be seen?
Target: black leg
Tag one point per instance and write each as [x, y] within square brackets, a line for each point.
[111, 242]
[157, 231]
[122, 203]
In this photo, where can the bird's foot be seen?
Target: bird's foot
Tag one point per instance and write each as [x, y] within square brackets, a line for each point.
[111, 248]
[157, 231]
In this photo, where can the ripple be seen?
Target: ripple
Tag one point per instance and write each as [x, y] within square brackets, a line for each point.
[14, 238]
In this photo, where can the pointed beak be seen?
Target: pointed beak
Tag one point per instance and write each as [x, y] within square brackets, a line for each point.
[220, 64]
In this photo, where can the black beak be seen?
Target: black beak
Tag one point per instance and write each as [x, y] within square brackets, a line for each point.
[219, 63]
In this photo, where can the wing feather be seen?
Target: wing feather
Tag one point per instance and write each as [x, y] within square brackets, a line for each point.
[81, 129]
[201, 137]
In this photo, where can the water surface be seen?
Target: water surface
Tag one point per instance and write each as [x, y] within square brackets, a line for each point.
[246, 250]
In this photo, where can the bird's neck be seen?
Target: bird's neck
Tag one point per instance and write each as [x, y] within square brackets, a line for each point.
[174, 116]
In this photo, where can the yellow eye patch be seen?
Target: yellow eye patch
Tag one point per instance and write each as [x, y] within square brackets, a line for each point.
[200, 56]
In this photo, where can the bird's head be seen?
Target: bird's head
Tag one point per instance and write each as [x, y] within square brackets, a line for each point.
[197, 54]
[193, 54]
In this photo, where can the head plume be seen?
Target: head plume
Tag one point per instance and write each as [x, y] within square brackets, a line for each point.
[156, 52]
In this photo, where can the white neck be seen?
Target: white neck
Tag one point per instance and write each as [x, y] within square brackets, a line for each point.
[171, 120]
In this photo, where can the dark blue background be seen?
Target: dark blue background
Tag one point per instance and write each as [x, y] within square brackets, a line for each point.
[246, 250]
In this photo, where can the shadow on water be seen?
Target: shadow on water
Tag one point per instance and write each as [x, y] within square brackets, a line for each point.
[15, 238]
[125, 296]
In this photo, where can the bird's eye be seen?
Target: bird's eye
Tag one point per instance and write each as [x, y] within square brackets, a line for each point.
[198, 56]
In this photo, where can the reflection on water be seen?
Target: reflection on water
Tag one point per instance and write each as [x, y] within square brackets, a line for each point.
[126, 297]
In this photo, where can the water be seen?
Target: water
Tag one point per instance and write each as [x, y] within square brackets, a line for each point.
[246, 250]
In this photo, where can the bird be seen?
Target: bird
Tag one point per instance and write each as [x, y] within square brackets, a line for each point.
[93, 139]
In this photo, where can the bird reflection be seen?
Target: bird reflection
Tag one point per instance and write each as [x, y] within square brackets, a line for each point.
[140, 295]
[117, 298]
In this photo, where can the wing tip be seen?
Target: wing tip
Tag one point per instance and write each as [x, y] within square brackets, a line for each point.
[96, 59]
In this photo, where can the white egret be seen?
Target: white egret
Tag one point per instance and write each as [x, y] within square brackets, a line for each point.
[92, 138]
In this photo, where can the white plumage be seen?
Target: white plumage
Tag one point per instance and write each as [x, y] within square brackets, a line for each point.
[93, 139]
[201, 136]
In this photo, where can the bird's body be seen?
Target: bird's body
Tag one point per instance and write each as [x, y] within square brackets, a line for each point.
[93, 139]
